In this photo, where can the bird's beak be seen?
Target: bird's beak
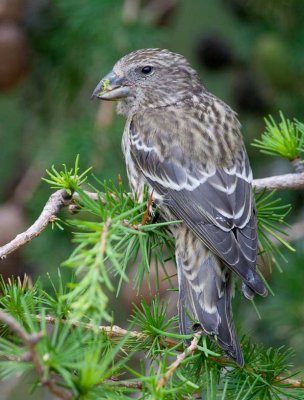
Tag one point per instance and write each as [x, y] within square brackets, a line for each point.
[111, 87]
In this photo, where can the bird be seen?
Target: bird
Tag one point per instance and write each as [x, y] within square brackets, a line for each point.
[185, 144]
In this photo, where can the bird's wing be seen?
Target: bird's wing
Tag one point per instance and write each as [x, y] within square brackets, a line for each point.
[215, 202]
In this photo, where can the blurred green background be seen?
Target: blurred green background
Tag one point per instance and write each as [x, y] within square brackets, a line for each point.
[250, 53]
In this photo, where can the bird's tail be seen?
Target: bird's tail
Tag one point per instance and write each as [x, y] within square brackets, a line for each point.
[205, 291]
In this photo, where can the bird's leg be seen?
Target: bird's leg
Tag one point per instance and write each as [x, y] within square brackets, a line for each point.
[146, 217]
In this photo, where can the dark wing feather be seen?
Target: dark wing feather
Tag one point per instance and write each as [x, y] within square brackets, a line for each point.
[215, 203]
[205, 297]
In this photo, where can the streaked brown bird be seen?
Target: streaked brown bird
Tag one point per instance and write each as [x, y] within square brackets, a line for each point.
[186, 145]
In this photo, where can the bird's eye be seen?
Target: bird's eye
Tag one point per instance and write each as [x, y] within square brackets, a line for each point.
[147, 70]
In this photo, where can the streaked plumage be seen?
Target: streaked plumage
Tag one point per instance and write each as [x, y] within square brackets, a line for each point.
[186, 145]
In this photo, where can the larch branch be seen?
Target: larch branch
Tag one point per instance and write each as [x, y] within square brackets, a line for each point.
[280, 182]
[60, 199]
[55, 203]
[30, 341]
[179, 359]
[115, 331]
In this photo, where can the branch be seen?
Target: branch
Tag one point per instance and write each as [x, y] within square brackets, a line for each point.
[124, 383]
[103, 237]
[55, 203]
[292, 383]
[179, 359]
[60, 199]
[30, 341]
[297, 164]
[115, 331]
[280, 182]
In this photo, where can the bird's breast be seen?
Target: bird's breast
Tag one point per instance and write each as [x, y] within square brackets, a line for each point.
[135, 177]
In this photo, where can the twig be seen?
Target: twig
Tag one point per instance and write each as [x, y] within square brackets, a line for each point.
[124, 383]
[103, 237]
[30, 341]
[94, 196]
[60, 199]
[298, 165]
[113, 331]
[118, 332]
[55, 203]
[179, 359]
[127, 224]
[280, 182]
[14, 325]
[146, 216]
[293, 383]
[74, 207]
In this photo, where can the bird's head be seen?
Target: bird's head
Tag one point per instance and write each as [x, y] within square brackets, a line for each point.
[148, 78]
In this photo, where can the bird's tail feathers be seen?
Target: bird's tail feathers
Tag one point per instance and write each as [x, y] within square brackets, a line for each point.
[205, 292]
